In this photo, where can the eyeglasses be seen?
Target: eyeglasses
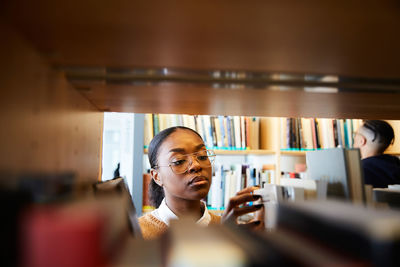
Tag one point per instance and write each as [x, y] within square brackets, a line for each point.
[181, 163]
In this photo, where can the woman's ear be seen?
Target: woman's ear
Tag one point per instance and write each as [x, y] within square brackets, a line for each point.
[156, 177]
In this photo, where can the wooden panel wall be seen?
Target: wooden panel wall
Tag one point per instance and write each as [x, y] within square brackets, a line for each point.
[46, 125]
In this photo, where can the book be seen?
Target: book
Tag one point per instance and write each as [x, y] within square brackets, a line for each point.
[254, 135]
[156, 124]
[146, 198]
[238, 132]
[364, 233]
[243, 132]
[218, 132]
[208, 132]
[387, 195]
[148, 129]
[307, 133]
[341, 168]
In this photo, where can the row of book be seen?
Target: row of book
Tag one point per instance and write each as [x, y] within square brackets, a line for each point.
[228, 180]
[317, 133]
[218, 132]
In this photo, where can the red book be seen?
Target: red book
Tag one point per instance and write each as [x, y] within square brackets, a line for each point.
[146, 183]
[63, 237]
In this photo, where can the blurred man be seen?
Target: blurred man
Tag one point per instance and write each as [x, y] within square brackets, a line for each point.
[372, 138]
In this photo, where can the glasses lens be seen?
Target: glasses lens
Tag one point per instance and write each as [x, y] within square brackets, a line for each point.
[203, 157]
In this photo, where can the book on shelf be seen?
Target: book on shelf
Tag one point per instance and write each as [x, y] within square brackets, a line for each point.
[218, 132]
[342, 170]
[227, 180]
[146, 198]
[315, 133]
[371, 235]
[389, 196]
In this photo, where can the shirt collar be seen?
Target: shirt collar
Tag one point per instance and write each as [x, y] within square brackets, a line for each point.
[165, 214]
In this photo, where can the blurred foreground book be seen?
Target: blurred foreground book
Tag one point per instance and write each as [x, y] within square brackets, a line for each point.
[369, 235]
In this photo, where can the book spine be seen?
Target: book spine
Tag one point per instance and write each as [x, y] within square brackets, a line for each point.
[229, 131]
[218, 132]
[156, 124]
[213, 131]
[236, 123]
[243, 132]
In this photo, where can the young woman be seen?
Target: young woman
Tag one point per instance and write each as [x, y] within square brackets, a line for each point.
[181, 168]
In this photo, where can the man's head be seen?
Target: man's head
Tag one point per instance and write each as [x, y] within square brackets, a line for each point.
[373, 137]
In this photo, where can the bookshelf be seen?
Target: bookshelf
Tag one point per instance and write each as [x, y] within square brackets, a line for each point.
[59, 72]
[279, 138]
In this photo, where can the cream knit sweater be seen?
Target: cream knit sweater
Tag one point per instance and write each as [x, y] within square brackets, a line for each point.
[152, 227]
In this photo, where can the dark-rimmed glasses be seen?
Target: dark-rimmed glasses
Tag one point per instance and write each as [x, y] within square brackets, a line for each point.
[181, 163]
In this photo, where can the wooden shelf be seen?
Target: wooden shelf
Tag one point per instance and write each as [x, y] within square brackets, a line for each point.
[294, 153]
[125, 34]
[394, 153]
[245, 152]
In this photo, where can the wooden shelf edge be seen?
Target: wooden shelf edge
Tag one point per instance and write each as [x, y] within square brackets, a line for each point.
[394, 153]
[294, 153]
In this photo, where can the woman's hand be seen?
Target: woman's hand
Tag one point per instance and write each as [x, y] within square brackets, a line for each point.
[237, 207]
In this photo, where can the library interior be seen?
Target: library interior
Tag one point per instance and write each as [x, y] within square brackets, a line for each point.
[278, 92]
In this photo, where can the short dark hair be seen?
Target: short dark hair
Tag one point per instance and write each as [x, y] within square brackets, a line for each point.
[383, 133]
[156, 192]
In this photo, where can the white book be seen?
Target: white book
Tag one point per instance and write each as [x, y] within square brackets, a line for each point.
[326, 130]
[218, 131]
[307, 133]
[148, 129]
[208, 131]
[191, 122]
[200, 128]
[227, 191]
[283, 132]
[162, 120]
[236, 122]
[216, 188]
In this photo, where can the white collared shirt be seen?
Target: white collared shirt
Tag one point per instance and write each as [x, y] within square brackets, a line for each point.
[165, 214]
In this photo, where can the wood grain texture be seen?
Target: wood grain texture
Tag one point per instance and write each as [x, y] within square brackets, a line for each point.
[197, 99]
[348, 38]
[47, 126]
[342, 37]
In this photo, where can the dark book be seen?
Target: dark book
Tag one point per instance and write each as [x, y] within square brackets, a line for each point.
[146, 184]
[118, 187]
[335, 133]
[288, 133]
[213, 131]
[12, 204]
[317, 134]
[366, 234]
[388, 196]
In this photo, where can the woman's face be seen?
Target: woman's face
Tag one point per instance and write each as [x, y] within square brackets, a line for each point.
[193, 184]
